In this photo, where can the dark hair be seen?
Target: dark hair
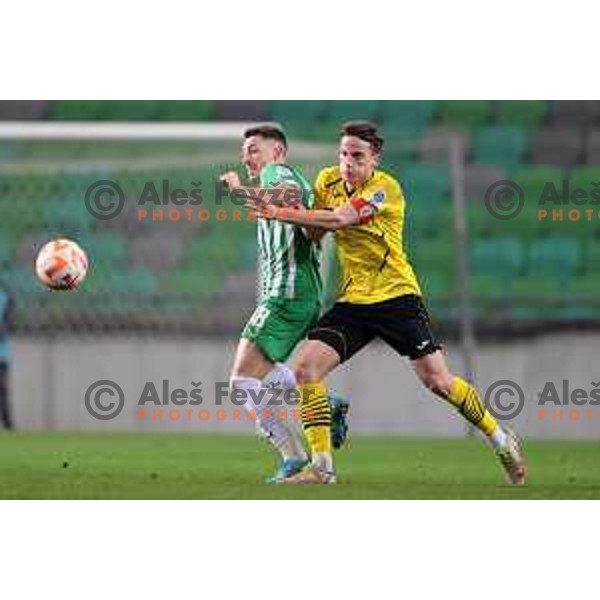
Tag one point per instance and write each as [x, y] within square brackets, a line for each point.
[268, 132]
[366, 131]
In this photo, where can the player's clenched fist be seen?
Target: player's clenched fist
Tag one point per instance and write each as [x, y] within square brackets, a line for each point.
[231, 179]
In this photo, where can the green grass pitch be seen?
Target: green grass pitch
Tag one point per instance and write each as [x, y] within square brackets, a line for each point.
[59, 465]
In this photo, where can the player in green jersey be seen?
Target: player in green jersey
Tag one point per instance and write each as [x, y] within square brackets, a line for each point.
[289, 302]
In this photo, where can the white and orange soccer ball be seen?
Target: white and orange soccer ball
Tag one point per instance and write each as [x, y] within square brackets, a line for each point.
[61, 264]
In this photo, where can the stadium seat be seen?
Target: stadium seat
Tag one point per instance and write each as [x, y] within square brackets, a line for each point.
[488, 286]
[23, 284]
[502, 146]
[556, 256]
[584, 296]
[134, 281]
[534, 181]
[560, 147]
[75, 110]
[435, 256]
[107, 250]
[402, 118]
[69, 216]
[527, 114]
[465, 114]
[299, 117]
[426, 220]
[186, 110]
[6, 251]
[592, 258]
[427, 182]
[338, 111]
[532, 296]
[501, 257]
[584, 177]
[491, 298]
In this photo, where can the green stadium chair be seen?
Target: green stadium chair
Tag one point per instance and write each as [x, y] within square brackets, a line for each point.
[427, 220]
[427, 182]
[533, 179]
[402, 118]
[300, 118]
[535, 182]
[437, 284]
[564, 220]
[465, 114]
[186, 110]
[543, 188]
[340, 111]
[435, 256]
[489, 286]
[129, 110]
[75, 110]
[592, 258]
[7, 251]
[556, 256]
[129, 281]
[66, 216]
[193, 283]
[107, 249]
[527, 114]
[584, 177]
[491, 296]
[531, 296]
[23, 283]
[502, 146]
[249, 255]
[503, 258]
[9, 150]
[584, 298]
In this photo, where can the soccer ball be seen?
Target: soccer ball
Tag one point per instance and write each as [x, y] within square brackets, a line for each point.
[61, 265]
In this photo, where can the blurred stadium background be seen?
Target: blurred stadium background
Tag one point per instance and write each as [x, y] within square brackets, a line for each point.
[166, 300]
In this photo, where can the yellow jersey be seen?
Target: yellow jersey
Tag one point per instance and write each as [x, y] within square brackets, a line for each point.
[373, 264]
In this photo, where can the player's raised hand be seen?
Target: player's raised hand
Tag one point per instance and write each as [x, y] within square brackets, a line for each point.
[231, 179]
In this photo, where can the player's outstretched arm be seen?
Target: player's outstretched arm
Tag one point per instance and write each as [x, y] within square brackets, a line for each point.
[280, 195]
[329, 220]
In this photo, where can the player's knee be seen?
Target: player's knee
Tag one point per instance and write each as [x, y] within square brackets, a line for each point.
[304, 372]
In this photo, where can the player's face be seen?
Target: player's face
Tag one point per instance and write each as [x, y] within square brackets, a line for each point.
[256, 153]
[357, 160]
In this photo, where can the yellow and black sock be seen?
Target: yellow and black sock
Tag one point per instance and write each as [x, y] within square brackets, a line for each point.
[316, 417]
[465, 397]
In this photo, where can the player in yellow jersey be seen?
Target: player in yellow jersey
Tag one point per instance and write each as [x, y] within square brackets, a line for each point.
[379, 297]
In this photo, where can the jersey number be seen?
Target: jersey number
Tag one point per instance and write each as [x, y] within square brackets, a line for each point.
[260, 315]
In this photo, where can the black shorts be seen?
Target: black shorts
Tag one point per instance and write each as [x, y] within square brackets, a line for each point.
[401, 322]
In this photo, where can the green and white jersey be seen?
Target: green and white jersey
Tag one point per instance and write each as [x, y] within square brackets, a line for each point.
[288, 260]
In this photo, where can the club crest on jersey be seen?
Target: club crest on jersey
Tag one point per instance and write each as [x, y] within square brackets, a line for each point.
[378, 198]
[283, 171]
